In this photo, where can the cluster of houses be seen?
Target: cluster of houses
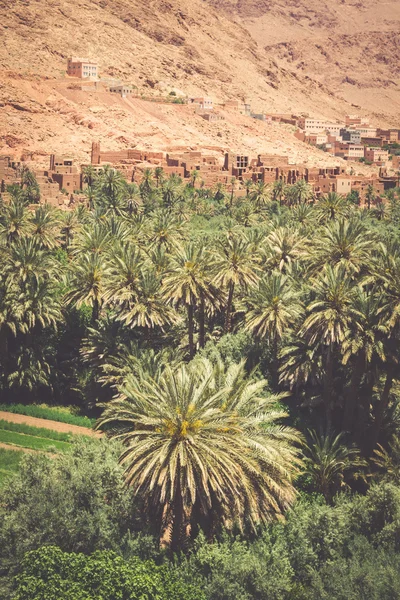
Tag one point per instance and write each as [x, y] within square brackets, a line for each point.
[355, 139]
[63, 180]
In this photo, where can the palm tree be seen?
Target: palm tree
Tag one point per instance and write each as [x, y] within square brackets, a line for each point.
[362, 344]
[170, 191]
[159, 176]
[46, 226]
[134, 202]
[332, 206]
[94, 239]
[187, 283]
[69, 227]
[328, 460]
[283, 246]
[149, 309]
[302, 191]
[27, 261]
[329, 317]
[278, 190]
[343, 242]
[89, 175]
[86, 282]
[146, 185]
[261, 195]
[234, 266]
[123, 275]
[14, 222]
[370, 195]
[272, 308]
[195, 174]
[248, 184]
[109, 189]
[201, 451]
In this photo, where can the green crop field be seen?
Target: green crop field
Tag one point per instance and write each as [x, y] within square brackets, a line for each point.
[36, 431]
[30, 441]
[60, 414]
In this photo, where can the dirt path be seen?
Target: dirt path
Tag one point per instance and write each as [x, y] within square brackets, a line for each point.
[47, 424]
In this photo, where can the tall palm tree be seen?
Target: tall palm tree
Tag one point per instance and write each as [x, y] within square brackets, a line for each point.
[332, 206]
[272, 308]
[370, 196]
[194, 176]
[46, 226]
[14, 222]
[362, 344]
[343, 242]
[187, 283]
[278, 190]
[234, 266]
[89, 175]
[159, 176]
[86, 282]
[200, 451]
[123, 275]
[329, 317]
[248, 185]
[302, 191]
[283, 246]
[70, 226]
[261, 195]
[146, 185]
[328, 460]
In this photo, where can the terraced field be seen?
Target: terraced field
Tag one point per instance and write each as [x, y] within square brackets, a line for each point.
[21, 433]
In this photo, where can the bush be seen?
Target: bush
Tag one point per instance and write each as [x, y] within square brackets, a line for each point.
[48, 573]
[78, 502]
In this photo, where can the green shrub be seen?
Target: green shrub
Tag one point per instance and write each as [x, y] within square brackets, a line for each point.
[48, 573]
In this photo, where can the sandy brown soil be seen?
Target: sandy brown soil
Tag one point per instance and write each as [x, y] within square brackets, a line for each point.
[47, 424]
[326, 58]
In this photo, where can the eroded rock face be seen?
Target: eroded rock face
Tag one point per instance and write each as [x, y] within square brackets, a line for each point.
[317, 56]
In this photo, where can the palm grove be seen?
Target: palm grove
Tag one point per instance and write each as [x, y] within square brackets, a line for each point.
[239, 349]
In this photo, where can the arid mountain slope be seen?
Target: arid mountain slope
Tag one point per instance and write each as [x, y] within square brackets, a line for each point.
[237, 49]
[352, 47]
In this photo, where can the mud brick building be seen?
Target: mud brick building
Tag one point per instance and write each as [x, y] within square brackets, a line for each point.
[122, 90]
[82, 68]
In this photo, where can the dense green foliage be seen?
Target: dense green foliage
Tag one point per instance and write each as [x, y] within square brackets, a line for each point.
[120, 305]
[48, 574]
[346, 550]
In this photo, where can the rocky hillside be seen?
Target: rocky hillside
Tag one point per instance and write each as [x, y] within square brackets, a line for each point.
[351, 47]
[325, 58]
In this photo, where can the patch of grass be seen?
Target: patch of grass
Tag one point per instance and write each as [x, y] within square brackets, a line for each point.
[36, 431]
[61, 414]
[32, 442]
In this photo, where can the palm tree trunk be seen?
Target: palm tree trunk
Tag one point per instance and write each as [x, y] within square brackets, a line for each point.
[202, 335]
[352, 395]
[228, 316]
[191, 330]
[95, 311]
[328, 385]
[381, 408]
[275, 369]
